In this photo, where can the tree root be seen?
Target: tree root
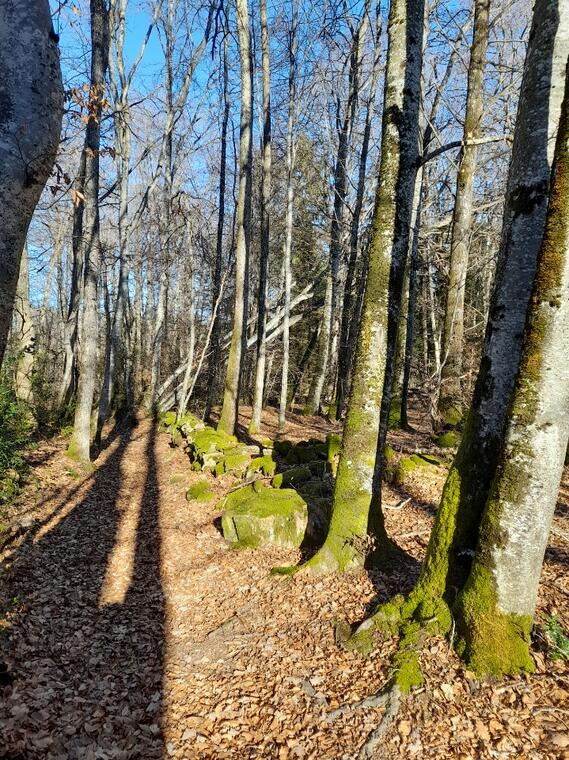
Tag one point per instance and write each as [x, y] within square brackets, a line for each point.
[394, 701]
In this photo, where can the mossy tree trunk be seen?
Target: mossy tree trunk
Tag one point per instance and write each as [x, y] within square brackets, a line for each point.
[495, 609]
[230, 409]
[455, 533]
[349, 306]
[344, 548]
[450, 397]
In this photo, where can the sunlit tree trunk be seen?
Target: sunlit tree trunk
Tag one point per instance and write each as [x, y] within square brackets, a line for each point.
[450, 399]
[353, 513]
[24, 334]
[456, 531]
[265, 228]
[329, 332]
[30, 124]
[287, 246]
[90, 243]
[496, 608]
[213, 361]
[230, 410]
[346, 334]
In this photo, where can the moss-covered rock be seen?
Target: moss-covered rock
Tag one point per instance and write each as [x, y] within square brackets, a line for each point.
[265, 464]
[291, 477]
[200, 491]
[254, 517]
[407, 466]
[167, 419]
[447, 440]
[282, 447]
[236, 463]
[208, 440]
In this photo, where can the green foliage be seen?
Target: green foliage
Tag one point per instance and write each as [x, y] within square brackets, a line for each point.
[557, 639]
[16, 426]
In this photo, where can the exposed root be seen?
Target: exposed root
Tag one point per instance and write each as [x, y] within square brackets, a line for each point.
[393, 703]
[376, 700]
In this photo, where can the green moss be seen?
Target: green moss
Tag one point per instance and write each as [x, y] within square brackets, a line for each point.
[407, 466]
[253, 518]
[334, 442]
[448, 440]
[236, 463]
[209, 440]
[265, 464]
[491, 641]
[167, 419]
[394, 418]
[451, 415]
[200, 491]
[282, 447]
[291, 477]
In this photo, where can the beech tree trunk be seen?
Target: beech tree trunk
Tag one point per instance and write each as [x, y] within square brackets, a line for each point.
[213, 361]
[456, 532]
[450, 398]
[496, 607]
[345, 546]
[24, 334]
[30, 124]
[346, 335]
[330, 332]
[265, 229]
[79, 446]
[230, 409]
[287, 246]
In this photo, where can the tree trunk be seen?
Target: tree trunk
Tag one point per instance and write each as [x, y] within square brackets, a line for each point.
[230, 410]
[345, 546]
[265, 229]
[30, 124]
[495, 609]
[346, 346]
[213, 361]
[456, 531]
[90, 244]
[329, 332]
[287, 246]
[450, 398]
[23, 332]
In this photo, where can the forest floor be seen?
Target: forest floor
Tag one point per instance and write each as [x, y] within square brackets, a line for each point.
[130, 630]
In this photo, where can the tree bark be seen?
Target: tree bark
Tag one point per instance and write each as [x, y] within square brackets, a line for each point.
[79, 446]
[213, 361]
[456, 531]
[24, 333]
[230, 409]
[344, 547]
[287, 245]
[450, 398]
[496, 608]
[265, 229]
[30, 124]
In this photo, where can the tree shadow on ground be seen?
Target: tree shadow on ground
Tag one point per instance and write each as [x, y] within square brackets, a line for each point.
[86, 677]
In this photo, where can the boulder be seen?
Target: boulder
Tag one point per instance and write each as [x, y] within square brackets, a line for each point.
[254, 517]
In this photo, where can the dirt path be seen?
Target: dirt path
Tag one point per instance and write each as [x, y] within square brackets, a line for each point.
[133, 632]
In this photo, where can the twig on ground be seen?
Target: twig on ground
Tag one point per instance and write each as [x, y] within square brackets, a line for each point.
[397, 506]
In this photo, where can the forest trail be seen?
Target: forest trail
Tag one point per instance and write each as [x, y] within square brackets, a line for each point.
[132, 631]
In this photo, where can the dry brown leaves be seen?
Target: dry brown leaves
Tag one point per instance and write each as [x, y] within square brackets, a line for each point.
[132, 631]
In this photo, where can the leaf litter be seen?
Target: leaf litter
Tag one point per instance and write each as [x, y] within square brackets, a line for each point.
[130, 630]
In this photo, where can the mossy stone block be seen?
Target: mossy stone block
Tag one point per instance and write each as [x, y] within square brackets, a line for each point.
[200, 491]
[448, 440]
[265, 464]
[253, 518]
